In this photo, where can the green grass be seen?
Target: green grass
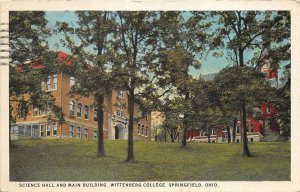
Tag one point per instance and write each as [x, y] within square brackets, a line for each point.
[74, 160]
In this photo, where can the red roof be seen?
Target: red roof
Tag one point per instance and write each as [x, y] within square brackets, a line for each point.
[62, 57]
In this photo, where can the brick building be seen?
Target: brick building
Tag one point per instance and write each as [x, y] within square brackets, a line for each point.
[80, 114]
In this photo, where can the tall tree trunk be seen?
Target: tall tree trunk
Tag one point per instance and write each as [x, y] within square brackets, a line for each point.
[208, 135]
[172, 136]
[185, 124]
[228, 134]
[100, 101]
[234, 130]
[130, 126]
[246, 151]
[165, 134]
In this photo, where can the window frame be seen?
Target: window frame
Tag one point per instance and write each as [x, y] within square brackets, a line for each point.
[72, 108]
[142, 131]
[139, 129]
[42, 131]
[35, 111]
[71, 131]
[55, 82]
[48, 83]
[95, 114]
[79, 110]
[86, 112]
[79, 132]
[54, 129]
[86, 133]
[48, 130]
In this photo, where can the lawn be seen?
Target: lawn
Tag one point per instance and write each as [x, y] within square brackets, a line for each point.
[75, 160]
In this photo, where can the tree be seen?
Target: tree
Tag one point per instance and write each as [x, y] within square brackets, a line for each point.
[284, 105]
[251, 32]
[172, 110]
[181, 41]
[207, 114]
[28, 47]
[134, 50]
[91, 69]
[240, 86]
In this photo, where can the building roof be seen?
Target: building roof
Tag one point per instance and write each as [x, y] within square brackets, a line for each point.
[62, 58]
[208, 77]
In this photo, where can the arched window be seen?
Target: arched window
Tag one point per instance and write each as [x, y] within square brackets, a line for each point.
[72, 107]
[79, 109]
[86, 112]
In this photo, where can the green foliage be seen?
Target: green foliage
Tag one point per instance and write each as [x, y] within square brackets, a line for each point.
[27, 35]
[283, 116]
[206, 112]
[75, 160]
[243, 84]
[257, 32]
[28, 46]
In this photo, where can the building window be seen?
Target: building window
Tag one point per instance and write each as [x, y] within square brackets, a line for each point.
[213, 132]
[71, 131]
[86, 133]
[121, 94]
[42, 130]
[95, 114]
[237, 129]
[86, 112]
[138, 129]
[120, 113]
[54, 82]
[95, 134]
[237, 140]
[72, 81]
[48, 130]
[79, 132]
[35, 111]
[251, 139]
[41, 111]
[79, 109]
[72, 107]
[146, 117]
[251, 128]
[21, 111]
[146, 131]
[48, 83]
[142, 132]
[54, 129]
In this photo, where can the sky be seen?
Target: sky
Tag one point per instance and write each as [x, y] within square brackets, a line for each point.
[209, 64]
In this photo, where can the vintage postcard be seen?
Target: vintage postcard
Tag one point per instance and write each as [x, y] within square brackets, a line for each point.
[149, 95]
